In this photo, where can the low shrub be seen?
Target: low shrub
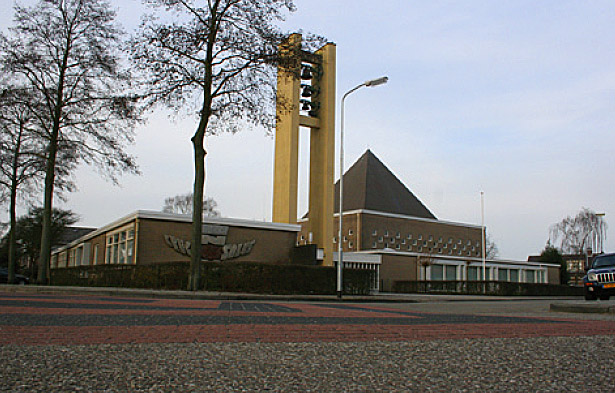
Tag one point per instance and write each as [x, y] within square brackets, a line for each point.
[218, 276]
[495, 288]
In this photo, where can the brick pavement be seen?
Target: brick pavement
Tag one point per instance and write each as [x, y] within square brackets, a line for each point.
[36, 319]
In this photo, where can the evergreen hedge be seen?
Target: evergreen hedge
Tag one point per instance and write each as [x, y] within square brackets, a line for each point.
[218, 276]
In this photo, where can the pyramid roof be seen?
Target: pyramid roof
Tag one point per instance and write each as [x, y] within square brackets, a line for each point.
[370, 185]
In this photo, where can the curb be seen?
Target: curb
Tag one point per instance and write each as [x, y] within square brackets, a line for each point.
[149, 293]
[583, 308]
[188, 295]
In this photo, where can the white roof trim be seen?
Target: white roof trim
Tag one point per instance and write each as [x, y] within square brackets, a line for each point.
[473, 260]
[392, 215]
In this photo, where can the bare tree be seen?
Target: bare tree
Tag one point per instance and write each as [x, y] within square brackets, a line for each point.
[66, 53]
[182, 204]
[573, 235]
[22, 160]
[21, 164]
[215, 59]
[491, 249]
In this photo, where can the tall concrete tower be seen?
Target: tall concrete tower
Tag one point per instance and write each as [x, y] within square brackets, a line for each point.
[306, 98]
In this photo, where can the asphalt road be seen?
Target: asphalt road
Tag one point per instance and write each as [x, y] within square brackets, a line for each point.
[65, 343]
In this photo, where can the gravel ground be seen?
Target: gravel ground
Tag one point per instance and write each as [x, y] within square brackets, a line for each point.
[556, 364]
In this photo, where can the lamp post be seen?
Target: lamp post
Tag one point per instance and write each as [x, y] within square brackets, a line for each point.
[483, 236]
[340, 258]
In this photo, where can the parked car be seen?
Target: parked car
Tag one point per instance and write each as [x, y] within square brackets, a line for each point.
[19, 279]
[600, 279]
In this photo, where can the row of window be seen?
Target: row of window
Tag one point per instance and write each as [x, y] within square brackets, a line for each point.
[120, 247]
[422, 248]
[475, 273]
[398, 236]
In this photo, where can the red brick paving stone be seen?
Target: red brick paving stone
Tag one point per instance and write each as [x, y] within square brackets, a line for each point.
[73, 335]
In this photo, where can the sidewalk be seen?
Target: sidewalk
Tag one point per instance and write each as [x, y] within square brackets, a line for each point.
[205, 295]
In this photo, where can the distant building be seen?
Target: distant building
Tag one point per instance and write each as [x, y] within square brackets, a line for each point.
[576, 265]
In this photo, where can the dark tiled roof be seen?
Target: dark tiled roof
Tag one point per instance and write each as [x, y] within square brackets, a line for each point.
[370, 185]
[71, 234]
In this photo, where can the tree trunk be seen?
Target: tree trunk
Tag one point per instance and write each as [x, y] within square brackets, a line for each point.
[52, 150]
[198, 140]
[13, 208]
[45, 254]
[12, 237]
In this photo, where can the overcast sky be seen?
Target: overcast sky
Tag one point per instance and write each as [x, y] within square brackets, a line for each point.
[515, 98]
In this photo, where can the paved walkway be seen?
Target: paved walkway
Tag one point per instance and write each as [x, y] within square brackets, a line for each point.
[94, 342]
[40, 319]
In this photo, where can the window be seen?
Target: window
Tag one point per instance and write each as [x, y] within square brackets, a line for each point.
[502, 274]
[431, 238]
[451, 272]
[439, 251]
[437, 272]
[345, 239]
[472, 273]
[386, 233]
[459, 241]
[414, 242]
[409, 236]
[350, 232]
[398, 247]
[375, 233]
[514, 275]
[440, 239]
[334, 240]
[392, 240]
[380, 239]
[424, 243]
[403, 241]
[541, 276]
[95, 255]
[420, 237]
[409, 248]
[374, 245]
[450, 240]
[530, 276]
[350, 245]
[120, 247]
[79, 256]
[398, 235]
[420, 249]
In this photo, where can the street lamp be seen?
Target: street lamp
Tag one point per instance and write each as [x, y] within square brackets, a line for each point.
[483, 235]
[340, 258]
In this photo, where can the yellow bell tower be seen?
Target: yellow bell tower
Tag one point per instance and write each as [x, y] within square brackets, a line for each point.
[306, 98]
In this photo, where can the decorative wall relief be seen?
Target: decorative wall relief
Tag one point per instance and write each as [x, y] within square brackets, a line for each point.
[213, 244]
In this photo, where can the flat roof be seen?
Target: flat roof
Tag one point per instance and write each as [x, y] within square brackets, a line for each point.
[154, 215]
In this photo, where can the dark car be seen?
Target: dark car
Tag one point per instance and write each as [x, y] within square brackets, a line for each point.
[19, 279]
[600, 279]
